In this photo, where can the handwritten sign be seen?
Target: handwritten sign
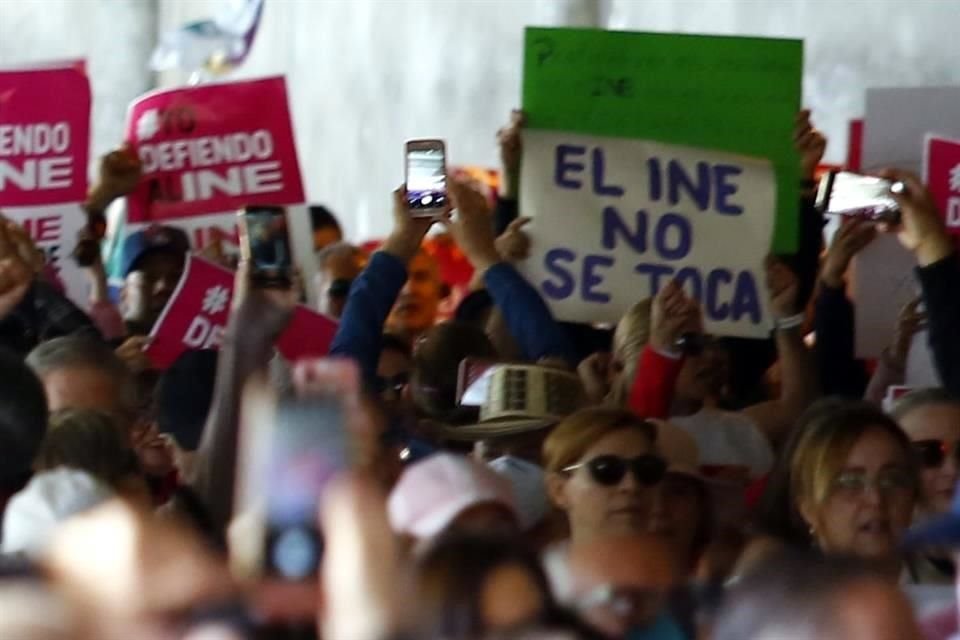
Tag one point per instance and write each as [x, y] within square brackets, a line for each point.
[614, 220]
[197, 314]
[941, 173]
[44, 151]
[739, 95]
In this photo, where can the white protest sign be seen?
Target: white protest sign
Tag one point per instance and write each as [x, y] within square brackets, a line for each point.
[615, 219]
[882, 284]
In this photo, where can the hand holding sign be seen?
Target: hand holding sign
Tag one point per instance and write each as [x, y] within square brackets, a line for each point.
[511, 150]
[810, 143]
[672, 315]
[513, 245]
[922, 229]
[120, 171]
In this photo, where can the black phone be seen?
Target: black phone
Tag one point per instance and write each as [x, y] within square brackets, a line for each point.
[265, 244]
[843, 193]
[308, 448]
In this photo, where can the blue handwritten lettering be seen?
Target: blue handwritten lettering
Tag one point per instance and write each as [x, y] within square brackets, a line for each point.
[682, 241]
[552, 261]
[656, 179]
[598, 169]
[563, 166]
[746, 301]
[714, 280]
[657, 272]
[679, 180]
[591, 279]
[614, 225]
[724, 189]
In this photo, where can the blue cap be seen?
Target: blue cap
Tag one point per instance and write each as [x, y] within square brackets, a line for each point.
[154, 238]
[942, 531]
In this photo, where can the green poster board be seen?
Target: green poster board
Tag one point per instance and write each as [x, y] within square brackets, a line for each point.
[715, 92]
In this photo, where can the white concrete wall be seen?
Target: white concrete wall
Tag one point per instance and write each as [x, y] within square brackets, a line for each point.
[115, 36]
[367, 74]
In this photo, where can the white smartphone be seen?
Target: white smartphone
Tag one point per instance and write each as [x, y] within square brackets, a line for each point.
[425, 164]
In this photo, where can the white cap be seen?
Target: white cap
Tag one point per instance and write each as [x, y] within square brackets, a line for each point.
[433, 492]
[51, 497]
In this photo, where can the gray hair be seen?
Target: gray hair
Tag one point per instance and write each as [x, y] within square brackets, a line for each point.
[84, 352]
[337, 248]
[923, 398]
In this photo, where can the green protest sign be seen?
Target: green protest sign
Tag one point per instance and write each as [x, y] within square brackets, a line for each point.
[730, 94]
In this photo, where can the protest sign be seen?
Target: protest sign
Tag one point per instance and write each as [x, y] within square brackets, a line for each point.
[896, 122]
[198, 311]
[614, 220]
[44, 152]
[732, 94]
[898, 119]
[941, 174]
[208, 151]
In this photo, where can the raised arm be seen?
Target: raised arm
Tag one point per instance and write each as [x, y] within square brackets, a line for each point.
[375, 291]
[798, 387]
[526, 314]
[922, 231]
[839, 371]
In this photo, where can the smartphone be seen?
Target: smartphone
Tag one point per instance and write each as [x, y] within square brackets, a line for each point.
[854, 195]
[265, 244]
[309, 446]
[426, 177]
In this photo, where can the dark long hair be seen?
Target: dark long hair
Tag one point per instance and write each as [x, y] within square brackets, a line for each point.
[451, 577]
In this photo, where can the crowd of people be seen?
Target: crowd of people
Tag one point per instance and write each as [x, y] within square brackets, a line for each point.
[649, 482]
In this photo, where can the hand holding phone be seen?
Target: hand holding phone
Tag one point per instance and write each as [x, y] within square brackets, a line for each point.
[843, 193]
[426, 177]
[265, 245]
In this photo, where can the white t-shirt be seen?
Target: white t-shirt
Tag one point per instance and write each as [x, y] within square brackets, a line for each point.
[727, 438]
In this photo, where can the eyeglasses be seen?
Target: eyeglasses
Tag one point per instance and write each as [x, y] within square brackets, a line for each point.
[853, 484]
[933, 453]
[609, 470]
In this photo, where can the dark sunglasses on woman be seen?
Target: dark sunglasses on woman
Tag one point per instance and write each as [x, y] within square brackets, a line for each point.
[609, 470]
[933, 453]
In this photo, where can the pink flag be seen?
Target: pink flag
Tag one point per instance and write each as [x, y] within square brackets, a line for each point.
[197, 315]
[941, 173]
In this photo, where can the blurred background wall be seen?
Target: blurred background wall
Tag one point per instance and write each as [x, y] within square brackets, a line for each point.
[365, 75]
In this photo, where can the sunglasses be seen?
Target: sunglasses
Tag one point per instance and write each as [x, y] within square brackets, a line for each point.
[609, 471]
[933, 453]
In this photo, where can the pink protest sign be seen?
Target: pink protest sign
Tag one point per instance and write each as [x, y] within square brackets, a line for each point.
[941, 173]
[198, 311]
[213, 149]
[197, 314]
[44, 135]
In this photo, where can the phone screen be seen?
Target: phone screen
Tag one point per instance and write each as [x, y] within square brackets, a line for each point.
[856, 195]
[473, 381]
[426, 179]
[267, 243]
[308, 449]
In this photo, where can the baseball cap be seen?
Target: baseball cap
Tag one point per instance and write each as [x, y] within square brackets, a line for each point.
[51, 497]
[154, 238]
[432, 493]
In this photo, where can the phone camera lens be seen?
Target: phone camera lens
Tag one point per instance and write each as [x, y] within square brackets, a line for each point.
[296, 553]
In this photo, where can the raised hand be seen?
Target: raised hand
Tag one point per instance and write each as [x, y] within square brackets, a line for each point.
[408, 231]
[672, 315]
[513, 244]
[921, 229]
[810, 143]
[511, 150]
[851, 238]
[120, 171]
[782, 283]
[472, 227]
